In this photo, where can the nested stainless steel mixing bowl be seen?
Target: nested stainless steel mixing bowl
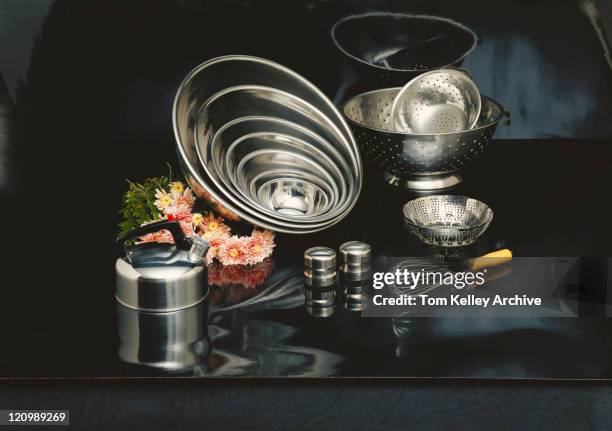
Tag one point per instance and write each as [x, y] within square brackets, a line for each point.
[274, 91]
[219, 148]
[292, 193]
[419, 162]
[266, 161]
[233, 103]
[238, 138]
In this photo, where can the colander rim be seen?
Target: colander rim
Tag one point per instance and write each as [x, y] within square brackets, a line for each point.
[429, 135]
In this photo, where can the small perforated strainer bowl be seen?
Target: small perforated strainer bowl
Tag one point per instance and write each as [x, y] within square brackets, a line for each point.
[447, 220]
[440, 101]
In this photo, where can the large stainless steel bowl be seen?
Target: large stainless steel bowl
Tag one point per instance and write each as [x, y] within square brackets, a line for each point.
[420, 162]
[386, 49]
[308, 105]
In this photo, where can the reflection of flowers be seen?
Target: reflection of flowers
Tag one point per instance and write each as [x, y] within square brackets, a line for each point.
[259, 246]
[233, 283]
[248, 276]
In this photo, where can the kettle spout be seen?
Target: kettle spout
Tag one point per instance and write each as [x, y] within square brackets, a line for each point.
[198, 250]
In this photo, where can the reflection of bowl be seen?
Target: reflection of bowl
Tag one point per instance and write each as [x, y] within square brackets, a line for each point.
[420, 162]
[426, 43]
[446, 220]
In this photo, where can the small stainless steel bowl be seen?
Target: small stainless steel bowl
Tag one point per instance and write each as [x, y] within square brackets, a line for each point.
[440, 101]
[295, 156]
[447, 220]
[264, 183]
[293, 196]
[260, 162]
[418, 162]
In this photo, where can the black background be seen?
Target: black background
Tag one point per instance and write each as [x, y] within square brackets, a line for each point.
[94, 108]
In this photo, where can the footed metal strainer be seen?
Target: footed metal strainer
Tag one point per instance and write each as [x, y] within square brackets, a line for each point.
[446, 220]
[418, 162]
[440, 101]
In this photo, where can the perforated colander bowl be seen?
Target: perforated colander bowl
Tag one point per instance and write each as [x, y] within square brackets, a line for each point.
[419, 162]
[440, 101]
[447, 220]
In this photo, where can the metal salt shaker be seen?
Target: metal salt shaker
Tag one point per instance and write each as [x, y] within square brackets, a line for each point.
[320, 281]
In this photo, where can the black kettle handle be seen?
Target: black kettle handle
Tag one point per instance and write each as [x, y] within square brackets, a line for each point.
[173, 226]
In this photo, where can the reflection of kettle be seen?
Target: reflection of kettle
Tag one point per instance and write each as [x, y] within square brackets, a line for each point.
[161, 277]
[176, 341]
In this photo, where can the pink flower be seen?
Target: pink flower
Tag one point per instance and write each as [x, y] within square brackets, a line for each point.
[232, 251]
[187, 227]
[265, 235]
[163, 200]
[211, 255]
[184, 199]
[259, 246]
[215, 238]
[211, 225]
[177, 201]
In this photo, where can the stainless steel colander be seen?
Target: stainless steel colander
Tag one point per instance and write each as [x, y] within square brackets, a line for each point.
[440, 101]
[446, 220]
[419, 162]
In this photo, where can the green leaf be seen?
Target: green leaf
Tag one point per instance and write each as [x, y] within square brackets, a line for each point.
[138, 201]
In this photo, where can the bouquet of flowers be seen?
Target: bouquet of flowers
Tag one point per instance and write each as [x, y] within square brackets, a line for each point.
[162, 198]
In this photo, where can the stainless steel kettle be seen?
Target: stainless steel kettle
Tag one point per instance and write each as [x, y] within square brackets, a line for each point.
[160, 277]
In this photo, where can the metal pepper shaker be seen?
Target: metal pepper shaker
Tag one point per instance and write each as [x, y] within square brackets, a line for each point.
[320, 281]
[355, 259]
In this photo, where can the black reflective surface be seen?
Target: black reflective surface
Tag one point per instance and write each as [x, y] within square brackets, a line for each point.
[63, 320]
[94, 109]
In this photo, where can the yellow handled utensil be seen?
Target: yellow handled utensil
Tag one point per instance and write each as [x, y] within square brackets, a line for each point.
[489, 260]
